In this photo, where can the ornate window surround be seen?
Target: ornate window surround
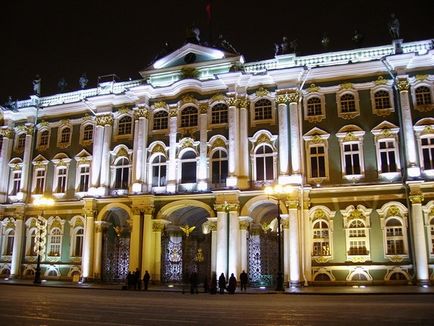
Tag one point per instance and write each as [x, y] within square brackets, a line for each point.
[428, 216]
[347, 89]
[60, 160]
[39, 163]
[54, 223]
[30, 229]
[15, 164]
[119, 152]
[187, 186]
[324, 214]
[76, 223]
[151, 122]
[259, 138]
[7, 226]
[217, 142]
[217, 125]
[17, 140]
[189, 129]
[117, 118]
[60, 129]
[314, 118]
[253, 100]
[385, 111]
[157, 148]
[83, 159]
[387, 131]
[83, 126]
[394, 210]
[418, 81]
[359, 213]
[424, 128]
[313, 137]
[347, 135]
[38, 140]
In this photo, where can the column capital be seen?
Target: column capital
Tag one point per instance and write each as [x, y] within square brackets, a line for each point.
[101, 226]
[285, 223]
[226, 207]
[287, 96]
[104, 120]
[141, 112]
[243, 102]
[146, 209]
[158, 225]
[203, 108]
[403, 84]
[231, 101]
[244, 225]
[7, 133]
[292, 204]
[416, 198]
[173, 112]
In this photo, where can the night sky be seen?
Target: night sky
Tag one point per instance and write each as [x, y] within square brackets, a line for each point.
[66, 38]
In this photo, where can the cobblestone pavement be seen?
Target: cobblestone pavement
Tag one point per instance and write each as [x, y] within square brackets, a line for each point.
[54, 305]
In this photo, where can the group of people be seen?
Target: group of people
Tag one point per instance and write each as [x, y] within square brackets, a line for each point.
[135, 282]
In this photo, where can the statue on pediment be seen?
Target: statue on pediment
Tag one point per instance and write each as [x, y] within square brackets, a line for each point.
[37, 86]
[394, 27]
[83, 81]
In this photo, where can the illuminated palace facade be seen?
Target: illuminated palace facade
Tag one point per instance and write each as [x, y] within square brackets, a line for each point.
[167, 173]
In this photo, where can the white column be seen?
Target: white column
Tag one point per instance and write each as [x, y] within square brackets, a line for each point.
[295, 135]
[17, 248]
[243, 177]
[244, 250]
[294, 253]
[233, 154]
[105, 160]
[420, 247]
[213, 247]
[25, 172]
[307, 246]
[286, 247]
[98, 140]
[171, 173]
[234, 242]
[412, 165]
[140, 150]
[5, 157]
[283, 140]
[202, 183]
[88, 246]
[222, 237]
[147, 255]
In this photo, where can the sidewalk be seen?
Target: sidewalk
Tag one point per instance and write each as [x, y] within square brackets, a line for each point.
[310, 290]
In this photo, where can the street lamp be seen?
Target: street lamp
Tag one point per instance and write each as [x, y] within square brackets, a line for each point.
[41, 202]
[279, 192]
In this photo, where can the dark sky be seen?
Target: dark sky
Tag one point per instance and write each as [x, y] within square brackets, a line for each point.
[66, 38]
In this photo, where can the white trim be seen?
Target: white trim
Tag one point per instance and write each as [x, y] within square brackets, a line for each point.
[351, 114]
[317, 117]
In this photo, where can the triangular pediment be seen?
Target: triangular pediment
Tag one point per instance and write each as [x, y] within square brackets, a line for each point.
[190, 54]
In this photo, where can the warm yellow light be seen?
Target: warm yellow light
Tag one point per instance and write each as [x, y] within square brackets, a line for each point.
[279, 190]
[43, 202]
[268, 190]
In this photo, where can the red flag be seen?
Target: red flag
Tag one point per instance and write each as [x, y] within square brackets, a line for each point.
[208, 9]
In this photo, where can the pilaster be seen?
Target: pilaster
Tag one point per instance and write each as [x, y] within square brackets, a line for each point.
[5, 157]
[173, 129]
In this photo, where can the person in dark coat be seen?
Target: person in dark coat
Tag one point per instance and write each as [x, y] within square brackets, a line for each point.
[137, 280]
[222, 283]
[243, 280]
[194, 280]
[232, 284]
[146, 279]
[213, 285]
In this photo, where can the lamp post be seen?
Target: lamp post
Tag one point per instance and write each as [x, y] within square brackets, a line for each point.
[279, 192]
[41, 202]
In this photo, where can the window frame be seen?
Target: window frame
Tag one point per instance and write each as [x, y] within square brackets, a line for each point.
[387, 132]
[350, 135]
[425, 107]
[352, 114]
[161, 119]
[221, 112]
[221, 161]
[361, 215]
[83, 139]
[317, 117]
[41, 132]
[382, 111]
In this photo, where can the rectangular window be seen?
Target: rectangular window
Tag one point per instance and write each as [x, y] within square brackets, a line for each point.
[387, 156]
[428, 153]
[61, 180]
[84, 179]
[317, 161]
[40, 181]
[352, 159]
[16, 182]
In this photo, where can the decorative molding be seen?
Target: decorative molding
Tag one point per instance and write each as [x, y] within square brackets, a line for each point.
[141, 113]
[346, 86]
[244, 225]
[173, 112]
[160, 105]
[231, 101]
[7, 133]
[313, 88]
[104, 120]
[243, 102]
[218, 142]
[416, 198]
[422, 77]
[403, 85]
[203, 108]
[217, 98]
[158, 148]
[381, 81]
[262, 92]
[188, 99]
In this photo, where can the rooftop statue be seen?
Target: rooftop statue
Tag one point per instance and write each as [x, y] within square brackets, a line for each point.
[224, 45]
[192, 35]
[283, 47]
[83, 81]
[37, 86]
[62, 84]
[394, 26]
[325, 41]
[357, 37]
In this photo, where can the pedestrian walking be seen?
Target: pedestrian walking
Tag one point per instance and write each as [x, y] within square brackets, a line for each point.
[146, 279]
[232, 284]
[213, 286]
[243, 281]
[222, 283]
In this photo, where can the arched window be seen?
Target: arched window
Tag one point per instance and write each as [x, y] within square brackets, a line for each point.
[219, 168]
[322, 277]
[357, 235]
[423, 95]
[161, 119]
[43, 140]
[32, 245]
[394, 237]
[188, 167]
[159, 171]
[9, 243]
[16, 182]
[77, 243]
[263, 109]
[21, 142]
[321, 239]
[348, 103]
[88, 132]
[55, 242]
[122, 172]
[189, 117]
[65, 135]
[264, 163]
[382, 100]
[219, 113]
[125, 125]
[314, 106]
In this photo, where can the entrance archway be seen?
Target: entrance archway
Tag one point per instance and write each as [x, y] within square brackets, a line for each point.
[116, 246]
[185, 248]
